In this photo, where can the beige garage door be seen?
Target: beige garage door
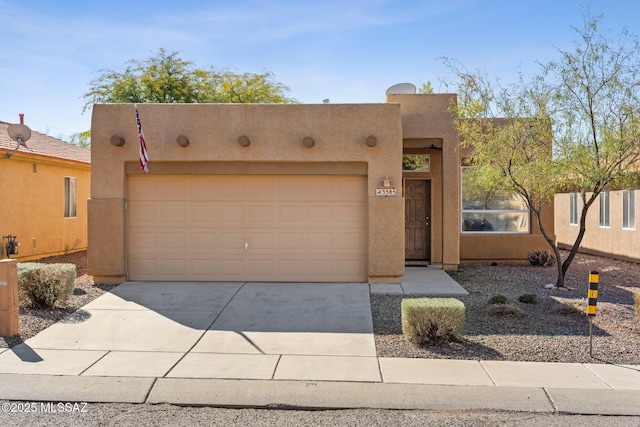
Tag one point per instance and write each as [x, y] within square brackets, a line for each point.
[247, 228]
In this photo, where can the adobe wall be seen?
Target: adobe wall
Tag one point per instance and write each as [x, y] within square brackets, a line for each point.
[276, 132]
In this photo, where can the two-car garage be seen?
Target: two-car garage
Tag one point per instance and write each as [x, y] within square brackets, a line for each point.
[247, 192]
[247, 227]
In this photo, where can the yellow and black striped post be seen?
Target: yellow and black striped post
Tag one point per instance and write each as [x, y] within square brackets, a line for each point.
[591, 305]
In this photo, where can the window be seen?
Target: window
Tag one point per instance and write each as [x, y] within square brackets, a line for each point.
[70, 196]
[605, 220]
[629, 209]
[499, 212]
[573, 209]
[416, 162]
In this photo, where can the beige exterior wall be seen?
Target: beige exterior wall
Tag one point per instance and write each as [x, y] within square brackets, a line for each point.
[407, 123]
[32, 205]
[428, 128]
[276, 132]
[427, 121]
[612, 241]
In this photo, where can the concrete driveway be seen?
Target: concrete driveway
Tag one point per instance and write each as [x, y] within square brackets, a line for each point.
[211, 330]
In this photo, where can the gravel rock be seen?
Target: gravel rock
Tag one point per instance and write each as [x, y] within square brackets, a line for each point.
[556, 329]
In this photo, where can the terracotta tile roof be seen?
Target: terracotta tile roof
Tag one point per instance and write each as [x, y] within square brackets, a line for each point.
[44, 145]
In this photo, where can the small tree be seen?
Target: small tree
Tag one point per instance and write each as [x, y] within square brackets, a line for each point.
[508, 134]
[587, 103]
[596, 94]
[166, 78]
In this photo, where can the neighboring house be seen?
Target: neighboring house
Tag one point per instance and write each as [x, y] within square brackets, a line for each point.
[611, 224]
[43, 191]
[253, 192]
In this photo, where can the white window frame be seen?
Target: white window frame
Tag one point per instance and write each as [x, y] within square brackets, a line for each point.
[526, 212]
[604, 217]
[629, 209]
[573, 209]
[70, 197]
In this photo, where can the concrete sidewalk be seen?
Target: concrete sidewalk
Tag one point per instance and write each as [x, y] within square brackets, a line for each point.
[278, 345]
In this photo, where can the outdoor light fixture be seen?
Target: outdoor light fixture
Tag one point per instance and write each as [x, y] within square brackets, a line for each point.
[20, 133]
[308, 141]
[244, 141]
[117, 141]
[183, 141]
[386, 182]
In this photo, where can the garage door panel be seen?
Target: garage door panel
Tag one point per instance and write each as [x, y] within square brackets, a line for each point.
[232, 269]
[297, 228]
[231, 214]
[260, 214]
[173, 240]
[350, 214]
[172, 213]
[173, 266]
[141, 213]
[229, 188]
[204, 213]
[290, 214]
[203, 268]
[203, 240]
[318, 214]
[143, 240]
[290, 240]
[231, 240]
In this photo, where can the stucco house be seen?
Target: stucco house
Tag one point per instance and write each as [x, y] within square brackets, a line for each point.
[314, 193]
[611, 224]
[43, 191]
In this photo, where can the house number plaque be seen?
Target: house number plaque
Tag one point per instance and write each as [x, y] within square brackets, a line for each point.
[386, 192]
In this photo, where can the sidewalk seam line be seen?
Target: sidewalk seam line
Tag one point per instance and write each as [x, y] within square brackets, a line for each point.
[484, 368]
[553, 404]
[598, 376]
[94, 363]
[273, 375]
[153, 384]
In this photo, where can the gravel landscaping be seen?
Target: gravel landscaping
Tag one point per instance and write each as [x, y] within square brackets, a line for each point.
[553, 330]
[556, 329]
[34, 320]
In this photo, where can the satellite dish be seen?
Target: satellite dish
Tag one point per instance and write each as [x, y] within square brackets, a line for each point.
[401, 88]
[19, 132]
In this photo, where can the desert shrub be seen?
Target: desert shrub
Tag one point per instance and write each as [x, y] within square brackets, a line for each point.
[528, 299]
[498, 299]
[568, 310]
[45, 285]
[506, 310]
[541, 257]
[432, 320]
[636, 299]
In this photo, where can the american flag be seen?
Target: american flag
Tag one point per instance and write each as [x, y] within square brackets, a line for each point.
[144, 157]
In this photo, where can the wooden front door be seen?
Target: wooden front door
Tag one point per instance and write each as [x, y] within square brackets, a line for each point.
[417, 219]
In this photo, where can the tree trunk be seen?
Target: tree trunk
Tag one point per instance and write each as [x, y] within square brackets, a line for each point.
[552, 244]
[583, 228]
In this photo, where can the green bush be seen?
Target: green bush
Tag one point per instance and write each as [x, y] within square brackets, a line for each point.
[541, 257]
[528, 299]
[432, 320]
[498, 299]
[45, 285]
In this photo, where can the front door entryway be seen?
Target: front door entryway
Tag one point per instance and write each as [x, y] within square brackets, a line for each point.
[417, 221]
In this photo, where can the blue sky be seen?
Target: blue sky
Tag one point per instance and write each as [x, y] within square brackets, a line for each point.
[349, 51]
